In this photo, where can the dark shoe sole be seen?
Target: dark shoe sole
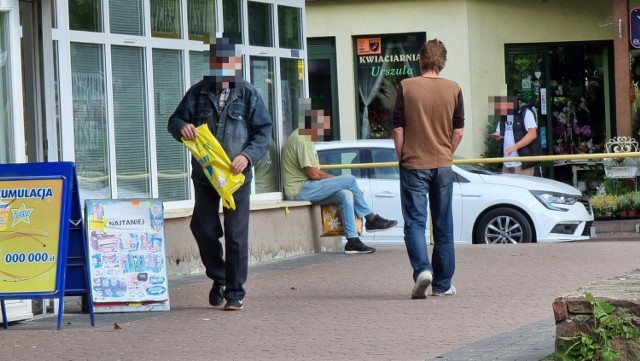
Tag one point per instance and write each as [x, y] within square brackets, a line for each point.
[393, 224]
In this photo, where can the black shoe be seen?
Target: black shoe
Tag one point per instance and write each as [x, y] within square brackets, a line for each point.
[379, 224]
[215, 295]
[355, 246]
[233, 305]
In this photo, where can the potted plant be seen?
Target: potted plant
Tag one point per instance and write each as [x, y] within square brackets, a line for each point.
[635, 203]
[604, 205]
[594, 177]
[624, 203]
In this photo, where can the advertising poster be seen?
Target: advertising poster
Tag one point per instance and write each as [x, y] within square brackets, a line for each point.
[127, 255]
[29, 234]
[382, 61]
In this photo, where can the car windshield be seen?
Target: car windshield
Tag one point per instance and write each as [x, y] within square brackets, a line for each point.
[477, 168]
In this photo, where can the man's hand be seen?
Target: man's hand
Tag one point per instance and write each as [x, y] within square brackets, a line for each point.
[188, 131]
[510, 150]
[496, 136]
[316, 173]
[239, 163]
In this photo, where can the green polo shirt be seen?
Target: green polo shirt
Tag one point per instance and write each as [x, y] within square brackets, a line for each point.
[299, 152]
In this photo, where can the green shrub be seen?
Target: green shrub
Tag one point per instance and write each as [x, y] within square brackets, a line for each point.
[625, 201]
[635, 200]
[604, 205]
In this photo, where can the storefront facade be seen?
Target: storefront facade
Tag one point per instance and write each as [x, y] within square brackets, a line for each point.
[95, 81]
[560, 41]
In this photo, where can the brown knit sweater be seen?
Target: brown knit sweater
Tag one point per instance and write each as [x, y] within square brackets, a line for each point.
[428, 109]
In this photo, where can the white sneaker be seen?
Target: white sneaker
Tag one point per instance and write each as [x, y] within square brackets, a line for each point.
[422, 282]
[450, 292]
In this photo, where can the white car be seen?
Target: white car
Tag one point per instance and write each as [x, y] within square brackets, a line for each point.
[488, 207]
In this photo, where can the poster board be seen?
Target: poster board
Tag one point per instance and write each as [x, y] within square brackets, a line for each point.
[43, 252]
[127, 255]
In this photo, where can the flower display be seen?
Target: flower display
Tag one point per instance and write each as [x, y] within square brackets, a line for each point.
[571, 136]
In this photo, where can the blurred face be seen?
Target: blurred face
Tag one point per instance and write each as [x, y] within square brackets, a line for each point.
[225, 64]
[317, 125]
[504, 106]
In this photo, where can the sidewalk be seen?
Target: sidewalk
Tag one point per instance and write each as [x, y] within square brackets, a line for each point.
[331, 306]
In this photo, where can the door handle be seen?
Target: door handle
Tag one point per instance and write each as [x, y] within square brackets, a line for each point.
[385, 195]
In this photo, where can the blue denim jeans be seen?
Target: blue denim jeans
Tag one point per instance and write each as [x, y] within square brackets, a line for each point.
[341, 190]
[415, 186]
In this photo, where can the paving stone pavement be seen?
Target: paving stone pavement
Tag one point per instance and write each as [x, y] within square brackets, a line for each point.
[331, 306]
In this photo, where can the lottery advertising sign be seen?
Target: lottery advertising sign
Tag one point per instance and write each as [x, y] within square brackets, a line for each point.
[29, 234]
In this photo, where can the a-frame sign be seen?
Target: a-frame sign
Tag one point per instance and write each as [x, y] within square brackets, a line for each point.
[43, 249]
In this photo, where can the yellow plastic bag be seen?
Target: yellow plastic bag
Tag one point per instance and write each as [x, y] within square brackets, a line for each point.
[216, 164]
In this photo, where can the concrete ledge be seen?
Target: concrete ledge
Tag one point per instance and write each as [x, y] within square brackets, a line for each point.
[181, 212]
[617, 225]
[261, 205]
[277, 230]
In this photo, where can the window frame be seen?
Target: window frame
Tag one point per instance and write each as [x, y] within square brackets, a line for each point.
[65, 37]
[15, 128]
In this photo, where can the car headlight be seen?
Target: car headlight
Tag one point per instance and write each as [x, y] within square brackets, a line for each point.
[555, 201]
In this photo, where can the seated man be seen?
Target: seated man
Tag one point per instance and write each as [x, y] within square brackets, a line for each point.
[305, 181]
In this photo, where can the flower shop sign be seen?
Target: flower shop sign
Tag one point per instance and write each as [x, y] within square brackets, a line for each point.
[382, 61]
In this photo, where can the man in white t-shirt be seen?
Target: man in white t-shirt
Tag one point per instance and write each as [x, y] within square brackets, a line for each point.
[517, 131]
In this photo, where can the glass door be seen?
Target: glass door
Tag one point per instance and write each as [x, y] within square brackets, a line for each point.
[526, 78]
[323, 81]
[570, 85]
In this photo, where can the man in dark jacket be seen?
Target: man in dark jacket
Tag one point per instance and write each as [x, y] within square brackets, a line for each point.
[240, 121]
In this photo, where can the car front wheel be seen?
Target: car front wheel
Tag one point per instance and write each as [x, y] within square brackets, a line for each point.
[503, 225]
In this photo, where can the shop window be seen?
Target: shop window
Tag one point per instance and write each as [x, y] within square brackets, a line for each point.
[114, 127]
[198, 65]
[567, 85]
[232, 14]
[90, 120]
[323, 81]
[201, 15]
[290, 27]
[125, 17]
[292, 86]
[165, 19]
[56, 100]
[292, 82]
[54, 18]
[260, 24]
[635, 92]
[382, 61]
[173, 172]
[131, 126]
[6, 114]
[85, 15]
[267, 169]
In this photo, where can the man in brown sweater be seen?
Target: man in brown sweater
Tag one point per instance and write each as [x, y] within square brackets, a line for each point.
[428, 123]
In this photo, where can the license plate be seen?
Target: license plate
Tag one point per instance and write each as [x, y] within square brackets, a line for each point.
[592, 231]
